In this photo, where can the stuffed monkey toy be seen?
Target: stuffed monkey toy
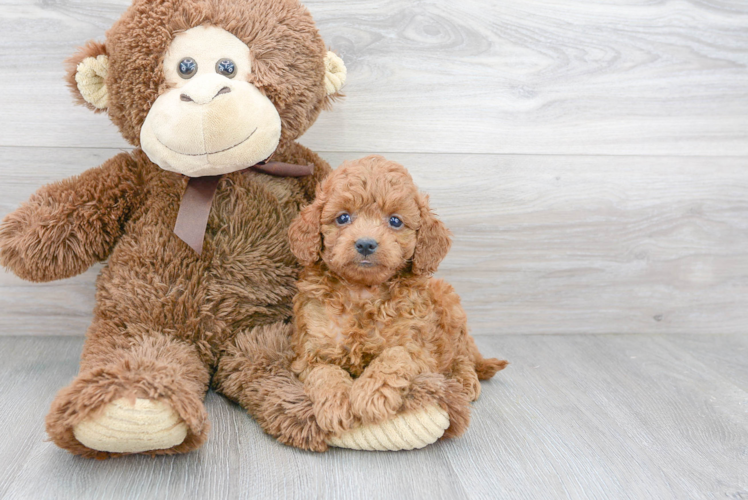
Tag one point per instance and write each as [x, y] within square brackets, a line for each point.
[192, 224]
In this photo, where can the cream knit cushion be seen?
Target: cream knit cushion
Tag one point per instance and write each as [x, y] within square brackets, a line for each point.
[124, 427]
[406, 431]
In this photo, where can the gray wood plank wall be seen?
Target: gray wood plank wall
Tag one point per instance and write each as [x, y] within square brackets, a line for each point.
[590, 158]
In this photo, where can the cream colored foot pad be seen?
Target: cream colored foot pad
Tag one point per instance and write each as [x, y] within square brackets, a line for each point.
[126, 428]
[407, 431]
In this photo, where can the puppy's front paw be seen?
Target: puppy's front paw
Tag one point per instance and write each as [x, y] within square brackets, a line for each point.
[328, 386]
[333, 413]
[373, 401]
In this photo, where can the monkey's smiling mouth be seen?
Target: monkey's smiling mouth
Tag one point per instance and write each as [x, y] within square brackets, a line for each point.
[210, 152]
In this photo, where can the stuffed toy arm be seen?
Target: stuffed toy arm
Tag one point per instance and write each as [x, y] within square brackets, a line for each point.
[67, 226]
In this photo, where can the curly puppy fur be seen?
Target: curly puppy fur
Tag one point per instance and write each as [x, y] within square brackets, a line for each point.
[166, 319]
[372, 327]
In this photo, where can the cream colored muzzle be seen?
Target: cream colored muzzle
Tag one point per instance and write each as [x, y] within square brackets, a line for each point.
[210, 126]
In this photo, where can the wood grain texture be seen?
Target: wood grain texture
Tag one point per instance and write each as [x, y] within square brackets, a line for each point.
[516, 76]
[542, 244]
[593, 244]
[567, 419]
[516, 116]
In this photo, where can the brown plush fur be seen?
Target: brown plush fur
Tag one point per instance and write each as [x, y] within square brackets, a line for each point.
[375, 333]
[166, 319]
[287, 56]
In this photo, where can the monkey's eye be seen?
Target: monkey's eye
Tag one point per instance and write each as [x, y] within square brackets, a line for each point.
[396, 222]
[343, 219]
[226, 68]
[187, 68]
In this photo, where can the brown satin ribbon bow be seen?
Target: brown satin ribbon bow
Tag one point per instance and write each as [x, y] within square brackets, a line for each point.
[194, 210]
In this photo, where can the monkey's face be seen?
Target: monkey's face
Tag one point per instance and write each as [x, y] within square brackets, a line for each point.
[208, 87]
[211, 120]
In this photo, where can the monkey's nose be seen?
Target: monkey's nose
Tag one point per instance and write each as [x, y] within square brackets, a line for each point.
[188, 98]
[366, 246]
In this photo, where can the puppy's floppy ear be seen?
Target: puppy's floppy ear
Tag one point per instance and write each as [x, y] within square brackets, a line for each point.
[304, 233]
[432, 242]
[86, 76]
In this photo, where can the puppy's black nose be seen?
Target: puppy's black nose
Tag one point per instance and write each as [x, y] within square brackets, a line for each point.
[366, 246]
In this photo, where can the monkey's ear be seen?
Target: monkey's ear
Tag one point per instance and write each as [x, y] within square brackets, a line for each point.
[335, 73]
[86, 77]
[304, 233]
[432, 241]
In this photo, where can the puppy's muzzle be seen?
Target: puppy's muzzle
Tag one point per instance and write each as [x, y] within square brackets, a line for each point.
[366, 246]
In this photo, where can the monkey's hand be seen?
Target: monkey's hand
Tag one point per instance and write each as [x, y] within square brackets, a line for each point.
[67, 226]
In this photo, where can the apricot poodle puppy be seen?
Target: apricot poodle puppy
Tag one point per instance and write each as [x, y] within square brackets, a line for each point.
[369, 317]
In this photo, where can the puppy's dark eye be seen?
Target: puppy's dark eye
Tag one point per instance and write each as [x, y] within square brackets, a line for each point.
[226, 68]
[187, 68]
[343, 219]
[396, 222]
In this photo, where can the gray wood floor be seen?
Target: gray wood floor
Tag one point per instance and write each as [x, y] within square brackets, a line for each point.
[591, 159]
[574, 416]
